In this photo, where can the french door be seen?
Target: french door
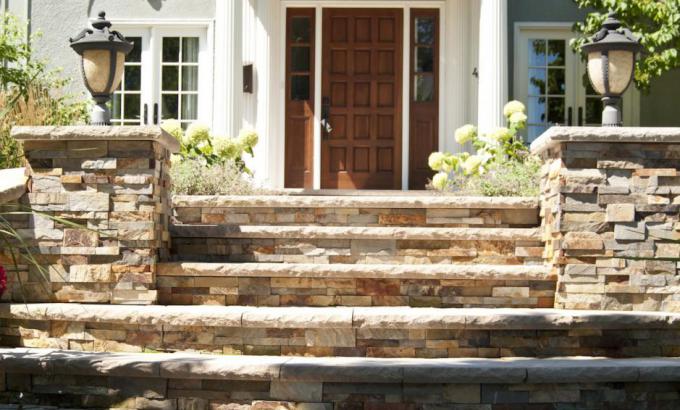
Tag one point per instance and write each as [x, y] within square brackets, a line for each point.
[167, 76]
[550, 79]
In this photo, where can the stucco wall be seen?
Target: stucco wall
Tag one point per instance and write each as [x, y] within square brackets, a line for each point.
[659, 108]
[58, 20]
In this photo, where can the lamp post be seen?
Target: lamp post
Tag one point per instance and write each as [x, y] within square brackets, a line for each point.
[611, 66]
[102, 52]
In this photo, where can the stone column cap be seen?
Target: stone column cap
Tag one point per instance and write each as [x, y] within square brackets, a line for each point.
[96, 133]
[635, 135]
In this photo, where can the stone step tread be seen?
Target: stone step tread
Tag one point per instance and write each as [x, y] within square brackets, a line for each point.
[378, 200]
[355, 232]
[368, 271]
[341, 317]
[339, 369]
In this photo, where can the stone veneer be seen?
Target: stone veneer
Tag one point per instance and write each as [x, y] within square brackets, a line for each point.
[110, 181]
[609, 203]
[201, 382]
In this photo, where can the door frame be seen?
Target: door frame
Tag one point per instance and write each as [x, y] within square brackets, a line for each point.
[406, 7]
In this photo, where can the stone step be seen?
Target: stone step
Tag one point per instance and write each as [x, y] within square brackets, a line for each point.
[170, 381]
[292, 284]
[341, 331]
[355, 232]
[354, 210]
[323, 244]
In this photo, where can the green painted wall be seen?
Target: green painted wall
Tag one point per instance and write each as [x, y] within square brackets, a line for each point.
[658, 108]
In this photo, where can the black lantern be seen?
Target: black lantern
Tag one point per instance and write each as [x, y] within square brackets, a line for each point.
[102, 52]
[611, 66]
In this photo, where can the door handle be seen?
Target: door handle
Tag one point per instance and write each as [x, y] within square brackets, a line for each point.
[570, 116]
[580, 116]
[325, 116]
[155, 113]
[146, 114]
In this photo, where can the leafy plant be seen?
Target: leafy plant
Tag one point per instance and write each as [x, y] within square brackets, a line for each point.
[657, 23]
[30, 94]
[199, 144]
[192, 177]
[499, 153]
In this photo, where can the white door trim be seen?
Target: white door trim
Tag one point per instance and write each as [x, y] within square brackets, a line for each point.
[319, 5]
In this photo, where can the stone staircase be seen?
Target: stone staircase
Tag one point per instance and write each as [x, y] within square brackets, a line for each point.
[369, 302]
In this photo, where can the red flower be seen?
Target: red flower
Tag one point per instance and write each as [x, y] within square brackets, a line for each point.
[3, 280]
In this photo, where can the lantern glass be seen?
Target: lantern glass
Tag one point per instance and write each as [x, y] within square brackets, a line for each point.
[97, 70]
[620, 69]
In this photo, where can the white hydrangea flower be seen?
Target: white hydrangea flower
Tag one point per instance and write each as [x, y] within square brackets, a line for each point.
[248, 138]
[198, 132]
[518, 118]
[226, 147]
[500, 134]
[174, 128]
[513, 107]
[465, 133]
[472, 164]
[436, 160]
[440, 180]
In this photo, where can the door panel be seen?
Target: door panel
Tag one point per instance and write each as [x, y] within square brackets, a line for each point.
[299, 128]
[424, 94]
[361, 81]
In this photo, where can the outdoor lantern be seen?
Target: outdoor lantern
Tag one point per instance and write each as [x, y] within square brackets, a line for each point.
[611, 66]
[103, 53]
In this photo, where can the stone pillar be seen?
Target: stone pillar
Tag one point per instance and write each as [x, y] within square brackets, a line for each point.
[610, 201]
[113, 183]
[493, 64]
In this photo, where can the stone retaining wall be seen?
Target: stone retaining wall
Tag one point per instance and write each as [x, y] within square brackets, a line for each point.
[359, 332]
[610, 204]
[184, 382]
[112, 183]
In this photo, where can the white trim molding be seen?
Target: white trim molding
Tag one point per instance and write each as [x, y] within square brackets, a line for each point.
[493, 64]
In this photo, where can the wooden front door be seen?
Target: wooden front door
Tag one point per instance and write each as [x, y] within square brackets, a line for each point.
[361, 98]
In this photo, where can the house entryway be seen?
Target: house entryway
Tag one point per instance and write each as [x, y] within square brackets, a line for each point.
[357, 75]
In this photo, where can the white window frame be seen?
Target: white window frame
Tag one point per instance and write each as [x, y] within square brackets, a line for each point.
[406, 6]
[153, 30]
[576, 93]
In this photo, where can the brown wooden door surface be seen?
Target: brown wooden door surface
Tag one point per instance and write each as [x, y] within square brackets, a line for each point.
[361, 95]
[299, 98]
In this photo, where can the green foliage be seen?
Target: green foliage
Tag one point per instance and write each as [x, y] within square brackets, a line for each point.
[501, 166]
[30, 94]
[510, 178]
[199, 144]
[657, 23]
[193, 177]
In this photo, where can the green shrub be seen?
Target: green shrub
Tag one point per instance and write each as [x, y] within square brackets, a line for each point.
[192, 177]
[30, 94]
[510, 178]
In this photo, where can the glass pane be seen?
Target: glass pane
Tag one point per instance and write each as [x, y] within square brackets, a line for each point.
[132, 106]
[424, 88]
[424, 59]
[299, 87]
[133, 78]
[535, 131]
[190, 78]
[556, 82]
[190, 49]
[299, 59]
[189, 106]
[556, 52]
[169, 103]
[425, 30]
[536, 110]
[556, 110]
[537, 81]
[115, 106]
[170, 80]
[135, 56]
[300, 29]
[536, 52]
[170, 49]
[594, 110]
